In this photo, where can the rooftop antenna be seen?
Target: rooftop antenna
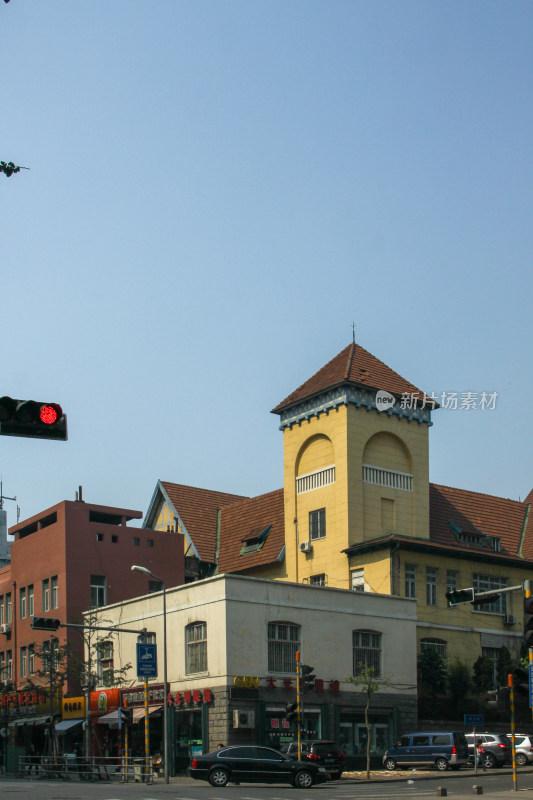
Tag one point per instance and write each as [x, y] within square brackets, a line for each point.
[353, 332]
[3, 496]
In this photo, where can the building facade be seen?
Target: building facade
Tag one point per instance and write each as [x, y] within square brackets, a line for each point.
[231, 654]
[69, 558]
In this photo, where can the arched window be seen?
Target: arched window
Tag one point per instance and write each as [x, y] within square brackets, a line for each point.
[196, 648]
[366, 651]
[438, 645]
[283, 642]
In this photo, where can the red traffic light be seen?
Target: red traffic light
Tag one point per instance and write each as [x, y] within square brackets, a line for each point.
[50, 413]
[32, 419]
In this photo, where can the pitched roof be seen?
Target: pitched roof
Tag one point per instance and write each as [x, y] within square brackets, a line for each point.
[353, 365]
[197, 509]
[251, 517]
[474, 512]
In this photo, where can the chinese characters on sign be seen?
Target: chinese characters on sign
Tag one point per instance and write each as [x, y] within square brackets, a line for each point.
[464, 401]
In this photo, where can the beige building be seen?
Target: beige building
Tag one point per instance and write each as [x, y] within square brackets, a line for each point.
[231, 650]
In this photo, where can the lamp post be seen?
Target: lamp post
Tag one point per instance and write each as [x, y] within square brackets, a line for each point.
[146, 571]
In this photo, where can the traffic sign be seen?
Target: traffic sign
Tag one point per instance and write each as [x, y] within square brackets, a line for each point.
[474, 720]
[531, 685]
[146, 660]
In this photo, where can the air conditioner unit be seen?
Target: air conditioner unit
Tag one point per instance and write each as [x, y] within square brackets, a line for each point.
[509, 619]
[5, 627]
[243, 719]
[306, 547]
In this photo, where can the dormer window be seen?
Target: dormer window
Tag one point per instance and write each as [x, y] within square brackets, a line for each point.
[475, 538]
[254, 541]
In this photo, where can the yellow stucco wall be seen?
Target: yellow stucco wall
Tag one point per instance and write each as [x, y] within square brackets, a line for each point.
[356, 511]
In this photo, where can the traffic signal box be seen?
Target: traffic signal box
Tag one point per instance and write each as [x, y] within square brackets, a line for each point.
[308, 678]
[45, 623]
[291, 713]
[32, 419]
[528, 620]
[460, 596]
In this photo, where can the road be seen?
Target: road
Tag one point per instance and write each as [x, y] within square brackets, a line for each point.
[496, 785]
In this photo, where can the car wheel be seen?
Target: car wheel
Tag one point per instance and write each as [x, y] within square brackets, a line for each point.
[390, 764]
[489, 761]
[218, 777]
[441, 764]
[303, 779]
[521, 759]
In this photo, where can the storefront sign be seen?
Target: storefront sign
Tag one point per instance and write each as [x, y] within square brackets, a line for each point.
[135, 696]
[34, 702]
[104, 701]
[192, 697]
[247, 681]
[73, 707]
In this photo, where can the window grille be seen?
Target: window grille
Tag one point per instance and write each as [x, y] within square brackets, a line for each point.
[283, 642]
[315, 480]
[366, 651]
[388, 477]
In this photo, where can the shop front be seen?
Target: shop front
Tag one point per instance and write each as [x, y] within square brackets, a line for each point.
[70, 728]
[26, 718]
[105, 734]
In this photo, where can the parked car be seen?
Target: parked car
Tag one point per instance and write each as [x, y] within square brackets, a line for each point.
[524, 748]
[320, 751]
[441, 749]
[498, 750]
[251, 764]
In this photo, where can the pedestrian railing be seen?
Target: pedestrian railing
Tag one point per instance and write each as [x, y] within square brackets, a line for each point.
[94, 768]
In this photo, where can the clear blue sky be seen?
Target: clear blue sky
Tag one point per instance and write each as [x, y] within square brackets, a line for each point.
[218, 189]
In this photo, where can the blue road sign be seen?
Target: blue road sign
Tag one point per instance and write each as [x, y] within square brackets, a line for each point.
[531, 685]
[474, 720]
[146, 660]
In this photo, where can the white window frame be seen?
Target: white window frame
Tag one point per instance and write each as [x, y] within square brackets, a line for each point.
[431, 586]
[196, 648]
[367, 650]
[283, 642]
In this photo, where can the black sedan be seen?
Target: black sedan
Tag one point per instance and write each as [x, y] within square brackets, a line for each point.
[250, 764]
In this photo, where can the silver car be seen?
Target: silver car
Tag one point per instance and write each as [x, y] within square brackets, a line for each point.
[524, 748]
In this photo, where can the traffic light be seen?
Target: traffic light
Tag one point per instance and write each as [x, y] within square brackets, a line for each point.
[521, 681]
[460, 596]
[308, 678]
[291, 712]
[528, 620]
[126, 716]
[32, 419]
[45, 623]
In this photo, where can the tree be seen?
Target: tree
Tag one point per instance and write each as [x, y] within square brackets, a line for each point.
[368, 683]
[483, 679]
[432, 671]
[459, 684]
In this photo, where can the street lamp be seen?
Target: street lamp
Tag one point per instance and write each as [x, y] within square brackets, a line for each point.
[146, 571]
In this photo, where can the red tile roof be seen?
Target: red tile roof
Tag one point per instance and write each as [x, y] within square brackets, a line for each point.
[353, 365]
[475, 512]
[239, 520]
[198, 510]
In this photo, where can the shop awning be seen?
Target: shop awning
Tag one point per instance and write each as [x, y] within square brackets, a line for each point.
[109, 719]
[138, 713]
[67, 724]
[28, 721]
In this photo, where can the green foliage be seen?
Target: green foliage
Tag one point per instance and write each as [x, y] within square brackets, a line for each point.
[432, 671]
[483, 674]
[459, 684]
